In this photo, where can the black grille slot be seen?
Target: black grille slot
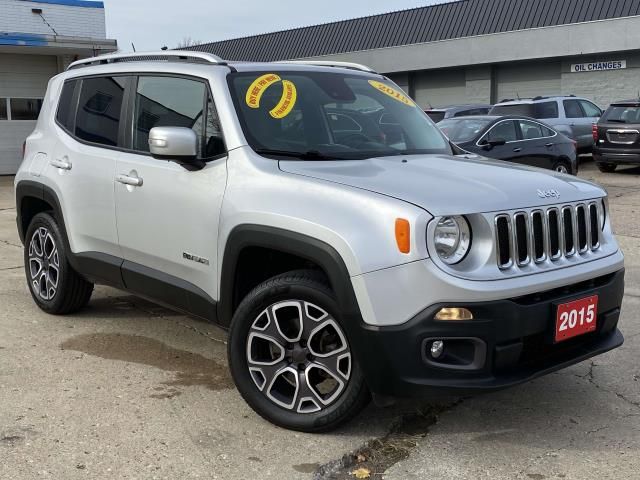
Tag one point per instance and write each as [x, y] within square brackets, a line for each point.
[554, 234]
[567, 223]
[522, 238]
[503, 234]
[595, 225]
[537, 226]
[581, 221]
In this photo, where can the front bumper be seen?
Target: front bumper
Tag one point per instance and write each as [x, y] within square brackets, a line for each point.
[515, 337]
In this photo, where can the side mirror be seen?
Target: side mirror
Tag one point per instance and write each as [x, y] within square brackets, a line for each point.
[496, 142]
[179, 144]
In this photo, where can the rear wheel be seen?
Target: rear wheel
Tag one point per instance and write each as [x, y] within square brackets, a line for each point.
[607, 167]
[562, 166]
[290, 357]
[54, 285]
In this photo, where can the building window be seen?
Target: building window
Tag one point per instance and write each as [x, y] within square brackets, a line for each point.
[3, 108]
[25, 108]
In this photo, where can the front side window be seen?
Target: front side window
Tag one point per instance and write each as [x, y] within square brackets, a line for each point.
[25, 108]
[572, 109]
[590, 109]
[503, 131]
[99, 110]
[168, 102]
[335, 115]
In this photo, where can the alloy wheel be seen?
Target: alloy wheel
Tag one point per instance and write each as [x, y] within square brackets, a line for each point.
[44, 264]
[298, 356]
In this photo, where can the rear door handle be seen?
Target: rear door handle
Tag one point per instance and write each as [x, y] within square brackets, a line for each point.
[61, 164]
[127, 180]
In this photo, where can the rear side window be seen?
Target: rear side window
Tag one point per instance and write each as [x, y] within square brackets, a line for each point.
[99, 110]
[545, 110]
[65, 115]
[572, 109]
[524, 109]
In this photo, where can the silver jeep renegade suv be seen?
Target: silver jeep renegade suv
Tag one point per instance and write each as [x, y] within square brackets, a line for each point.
[318, 214]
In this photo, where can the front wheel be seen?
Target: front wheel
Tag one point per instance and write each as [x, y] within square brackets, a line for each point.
[290, 357]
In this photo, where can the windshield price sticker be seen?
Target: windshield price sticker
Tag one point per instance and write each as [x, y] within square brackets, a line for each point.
[392, 92]
[261, 84]
[258, 87]
[287, 102]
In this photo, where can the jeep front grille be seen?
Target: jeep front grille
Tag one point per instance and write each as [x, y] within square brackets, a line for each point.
[540, 235]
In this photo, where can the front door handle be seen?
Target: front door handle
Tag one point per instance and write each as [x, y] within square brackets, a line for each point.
[517, 150]
[127, 180]
[61, 164]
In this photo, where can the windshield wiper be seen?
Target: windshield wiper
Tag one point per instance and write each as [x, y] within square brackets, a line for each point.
[308, 155]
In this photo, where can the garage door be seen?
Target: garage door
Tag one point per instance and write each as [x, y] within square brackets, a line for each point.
[440, 88]
[528, 80]
[23, 83]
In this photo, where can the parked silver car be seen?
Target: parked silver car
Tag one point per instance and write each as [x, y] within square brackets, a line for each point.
[344, 261]
[569, 115]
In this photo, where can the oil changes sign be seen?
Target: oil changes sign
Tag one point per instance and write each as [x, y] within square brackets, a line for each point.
[599, 66]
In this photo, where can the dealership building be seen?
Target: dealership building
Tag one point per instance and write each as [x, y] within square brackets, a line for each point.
[476, 51]
[38, 39]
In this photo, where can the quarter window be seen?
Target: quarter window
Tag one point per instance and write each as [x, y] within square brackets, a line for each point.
[25, 108]
[99, 110]
[572, 109]
[66, 111]
[503, 131]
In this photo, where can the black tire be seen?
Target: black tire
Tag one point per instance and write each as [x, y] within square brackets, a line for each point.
[71, 292]
[562, 166]
[311, 291]
[607, 167]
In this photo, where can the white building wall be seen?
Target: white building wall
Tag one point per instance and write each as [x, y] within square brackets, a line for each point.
[73, 21]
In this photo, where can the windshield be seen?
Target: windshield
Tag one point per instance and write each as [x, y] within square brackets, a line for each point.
[622, 114]
[330, 116]
[463, 130]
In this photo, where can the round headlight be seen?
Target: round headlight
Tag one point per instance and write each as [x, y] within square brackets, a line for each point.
[452, 238]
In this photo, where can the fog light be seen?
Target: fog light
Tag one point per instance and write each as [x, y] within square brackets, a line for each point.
[437, 348]
[454, 314]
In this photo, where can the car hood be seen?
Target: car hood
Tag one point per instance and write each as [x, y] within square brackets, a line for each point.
[451, 185]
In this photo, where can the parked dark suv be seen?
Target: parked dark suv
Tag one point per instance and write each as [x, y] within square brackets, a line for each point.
[617, 136]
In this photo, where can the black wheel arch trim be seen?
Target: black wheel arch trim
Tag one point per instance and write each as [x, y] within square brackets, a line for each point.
[294, 243]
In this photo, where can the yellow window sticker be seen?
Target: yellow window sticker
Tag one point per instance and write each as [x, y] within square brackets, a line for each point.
[258, 87]
[392, 92]
[287, 102]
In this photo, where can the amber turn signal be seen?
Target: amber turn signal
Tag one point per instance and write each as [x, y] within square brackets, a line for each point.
[403, 235]
[454, 314]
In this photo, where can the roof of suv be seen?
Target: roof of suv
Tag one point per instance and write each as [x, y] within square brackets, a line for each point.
[520, 101]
